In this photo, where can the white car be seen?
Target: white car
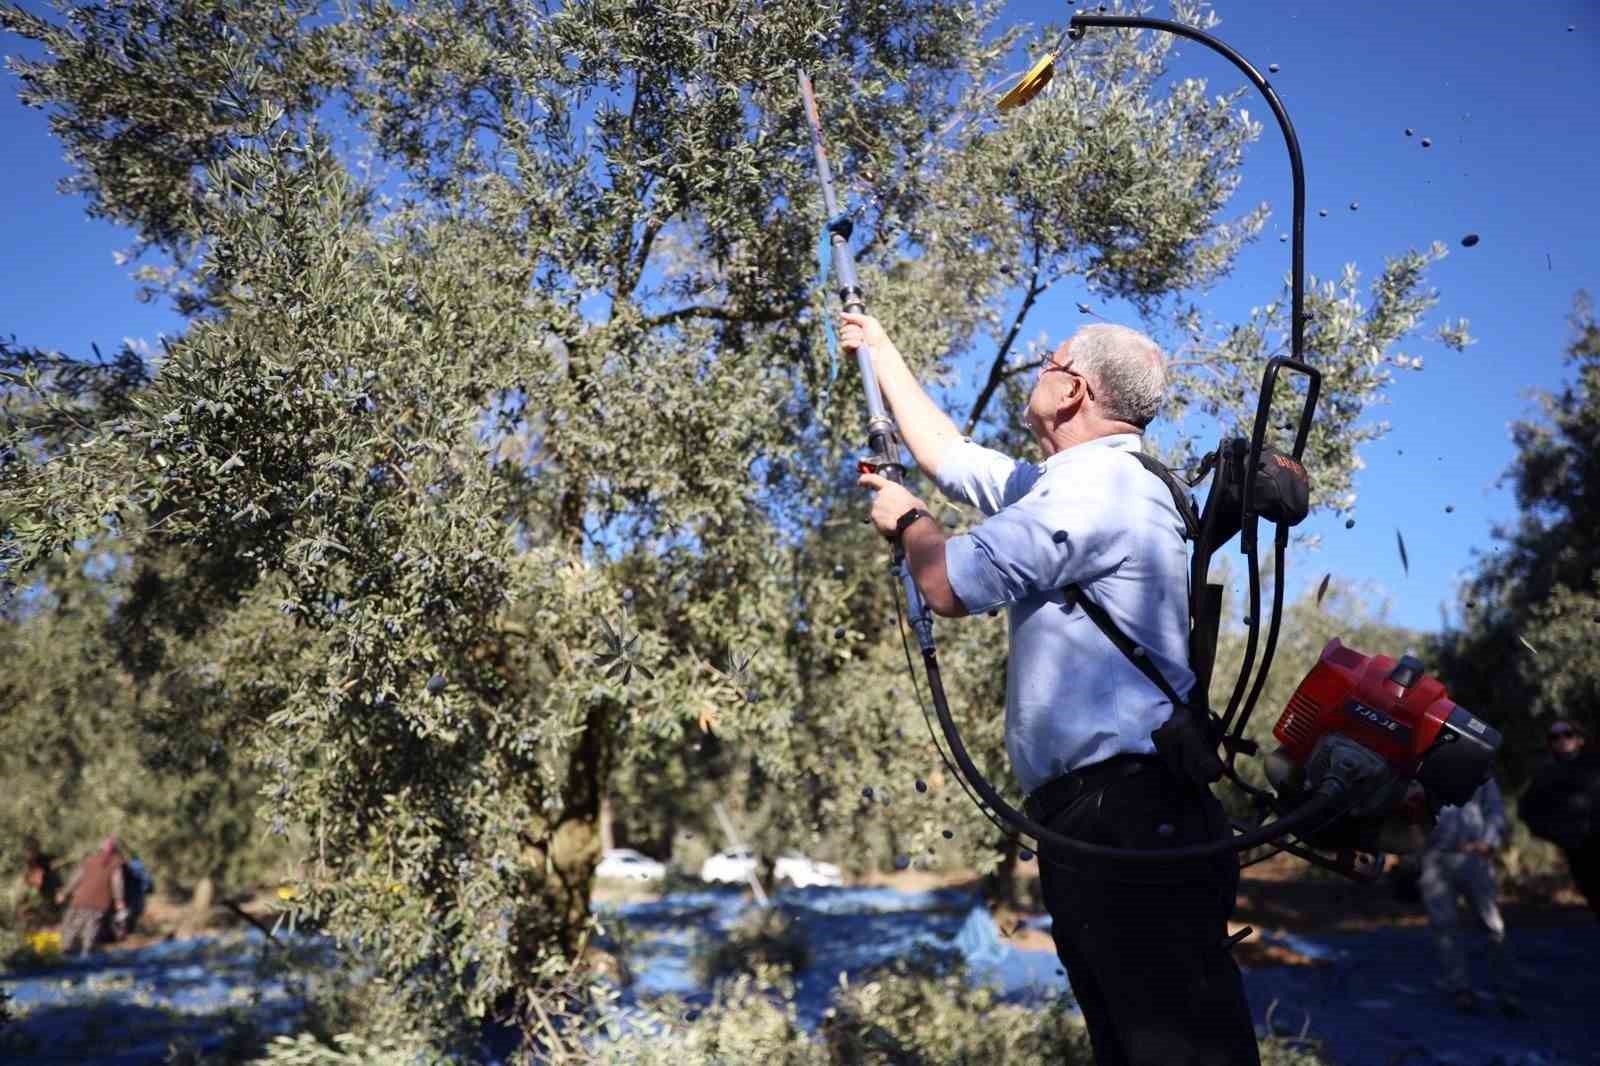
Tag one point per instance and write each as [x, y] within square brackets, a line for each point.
[625, 864]
[735, 865]
[738, 864]
[804, 873]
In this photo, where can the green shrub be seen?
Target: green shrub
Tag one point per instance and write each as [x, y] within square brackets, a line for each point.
[1530, 864]
[751, 1019]
[348, 1050]
[765, 937]
[911, 1012]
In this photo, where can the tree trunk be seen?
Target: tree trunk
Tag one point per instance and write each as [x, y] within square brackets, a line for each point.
[198, 915]
[563, 852]
[1001, 888]
[608, 839]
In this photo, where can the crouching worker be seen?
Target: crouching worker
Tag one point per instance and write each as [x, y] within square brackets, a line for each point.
[94, 898]
[1144, 947]
[1458, 863]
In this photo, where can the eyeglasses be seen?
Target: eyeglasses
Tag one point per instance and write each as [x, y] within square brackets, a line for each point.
[1049, 365]
[1562, 734]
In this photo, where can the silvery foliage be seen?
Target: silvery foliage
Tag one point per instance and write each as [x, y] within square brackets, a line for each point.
[418, 443]
[1525, 647]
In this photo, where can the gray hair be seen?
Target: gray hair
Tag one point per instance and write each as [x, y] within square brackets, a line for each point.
[1127, 369]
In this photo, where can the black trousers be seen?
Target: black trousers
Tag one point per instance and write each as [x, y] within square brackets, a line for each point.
[1584, 862]
[1144, 945]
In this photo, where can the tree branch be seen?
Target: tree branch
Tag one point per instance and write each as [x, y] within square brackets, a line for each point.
[997, 370]
[721, 314]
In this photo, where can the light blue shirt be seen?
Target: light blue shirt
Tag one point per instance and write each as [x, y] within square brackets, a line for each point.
[1093, 516]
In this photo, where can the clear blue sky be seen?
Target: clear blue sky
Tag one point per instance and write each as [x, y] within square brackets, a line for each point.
[1507, 99]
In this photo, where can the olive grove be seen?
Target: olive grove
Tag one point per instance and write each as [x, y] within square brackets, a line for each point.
[498, 469]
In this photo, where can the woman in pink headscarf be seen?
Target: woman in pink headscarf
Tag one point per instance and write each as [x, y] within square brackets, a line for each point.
[96, 894]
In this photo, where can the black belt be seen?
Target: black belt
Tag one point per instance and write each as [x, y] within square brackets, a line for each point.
[1059, 793]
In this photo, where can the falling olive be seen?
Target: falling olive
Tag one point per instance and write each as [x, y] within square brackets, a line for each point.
[1273, 68]
[902, 861]
[838, 632]
[922, 786]
[1469, 240]
[949, 835]
[1349, 523]
[1355, 205]
[838, 570]
[436, 684]
[1322, 212]
[1426, 143]
[866, 793]
[1408, 131]
[1449, 508]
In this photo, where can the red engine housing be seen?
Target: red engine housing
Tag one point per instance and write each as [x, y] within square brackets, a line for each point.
[1392, 708]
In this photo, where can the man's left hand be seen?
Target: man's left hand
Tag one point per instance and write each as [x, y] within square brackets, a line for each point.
[892, 501]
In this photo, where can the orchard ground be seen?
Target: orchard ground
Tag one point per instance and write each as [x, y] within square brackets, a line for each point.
[1348, 967]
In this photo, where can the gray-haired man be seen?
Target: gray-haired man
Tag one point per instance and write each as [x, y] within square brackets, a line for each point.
[1144, 950]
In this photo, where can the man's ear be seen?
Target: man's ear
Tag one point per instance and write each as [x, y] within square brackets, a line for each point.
[1069, 405]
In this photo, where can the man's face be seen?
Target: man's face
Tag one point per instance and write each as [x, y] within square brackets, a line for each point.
[1055, 384]
[1565, 741]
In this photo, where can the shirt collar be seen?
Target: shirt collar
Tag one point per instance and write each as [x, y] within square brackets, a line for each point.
[1122, 442]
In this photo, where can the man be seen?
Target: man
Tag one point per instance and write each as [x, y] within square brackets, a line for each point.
[1144, 947]
[1559, 805]
[1458, 863]
[96, 894]
[137, 886]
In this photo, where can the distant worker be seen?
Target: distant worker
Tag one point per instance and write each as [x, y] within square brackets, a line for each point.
[33, 896]
[137, 886]
[1559, 805]
[1458, 863]
[96, 898]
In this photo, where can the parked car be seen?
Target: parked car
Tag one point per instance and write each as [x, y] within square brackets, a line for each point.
[737, 864]
[804, 873]
[625, 864]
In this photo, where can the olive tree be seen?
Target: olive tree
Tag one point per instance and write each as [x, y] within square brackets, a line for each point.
[498, 469]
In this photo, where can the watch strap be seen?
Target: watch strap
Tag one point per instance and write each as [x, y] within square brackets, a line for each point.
[909, 517]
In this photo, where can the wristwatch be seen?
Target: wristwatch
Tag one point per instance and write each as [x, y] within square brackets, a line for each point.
[908, 518]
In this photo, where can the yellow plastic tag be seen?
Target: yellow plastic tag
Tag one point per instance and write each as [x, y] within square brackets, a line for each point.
[1031, 84]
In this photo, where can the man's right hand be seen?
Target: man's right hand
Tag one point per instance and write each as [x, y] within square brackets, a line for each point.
[856, 330]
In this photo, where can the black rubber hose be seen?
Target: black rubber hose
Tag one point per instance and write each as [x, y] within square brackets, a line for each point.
[1315, 808]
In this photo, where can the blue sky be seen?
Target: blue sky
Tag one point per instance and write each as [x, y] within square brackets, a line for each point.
[1507, 101]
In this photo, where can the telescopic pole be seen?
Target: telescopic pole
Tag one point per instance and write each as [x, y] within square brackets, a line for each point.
[882, 437]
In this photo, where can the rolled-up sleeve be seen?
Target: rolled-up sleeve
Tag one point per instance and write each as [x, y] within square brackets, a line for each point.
[971, 474]
[1049, 538]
